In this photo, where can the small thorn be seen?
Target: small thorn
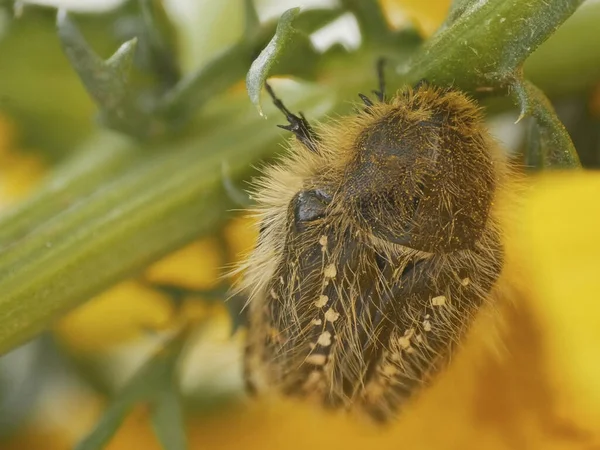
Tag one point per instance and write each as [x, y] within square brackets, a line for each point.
[366, 100]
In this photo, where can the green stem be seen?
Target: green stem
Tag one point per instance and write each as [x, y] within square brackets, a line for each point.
[105, 155]
[488, 42]
[166, 200]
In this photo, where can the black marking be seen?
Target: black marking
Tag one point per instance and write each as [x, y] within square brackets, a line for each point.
[309, 206]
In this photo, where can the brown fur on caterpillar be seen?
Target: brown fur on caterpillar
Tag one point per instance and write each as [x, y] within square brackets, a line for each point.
[379, 244]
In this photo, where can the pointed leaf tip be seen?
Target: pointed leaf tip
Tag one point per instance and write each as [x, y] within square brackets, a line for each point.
[551, 145]
[261, 66]
[107, 82]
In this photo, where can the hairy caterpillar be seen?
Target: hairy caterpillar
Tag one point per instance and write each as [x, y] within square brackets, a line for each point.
[379, 243]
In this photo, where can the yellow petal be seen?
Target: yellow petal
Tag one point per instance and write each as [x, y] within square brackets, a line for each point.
[197, 266]
[561, 243]
[120, 315]
[20, 173]
[241, 234]
[428, 15]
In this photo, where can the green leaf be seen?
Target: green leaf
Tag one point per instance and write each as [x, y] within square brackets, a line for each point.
[167, 418]
[232, 64]
[371, 20]
[149, 383]
[260, 68]
[111, 421]
[487, 43]
[550, 145]
[252, 25]
[106, 81]
[39, 88]
[159, 35]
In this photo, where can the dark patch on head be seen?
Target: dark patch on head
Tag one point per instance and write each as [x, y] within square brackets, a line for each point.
[425, 184]
[309, 206]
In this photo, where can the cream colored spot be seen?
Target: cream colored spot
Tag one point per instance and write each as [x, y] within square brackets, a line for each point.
[440, 300]
[325, 339]
[317, 322]
[281, 280]
[322, 301]
[274, 294]
[316, 360]
[404, 342]
[427, 325]
[331, 315]
[323, 241]
[389, 370]
[396, 357]
[465, 281]
[330, 271]
[419, 338]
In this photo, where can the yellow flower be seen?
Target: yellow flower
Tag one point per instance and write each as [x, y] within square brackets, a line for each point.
[19, 171]
[197, 266]
[427, 15]
[561, 246]
[122, 314]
